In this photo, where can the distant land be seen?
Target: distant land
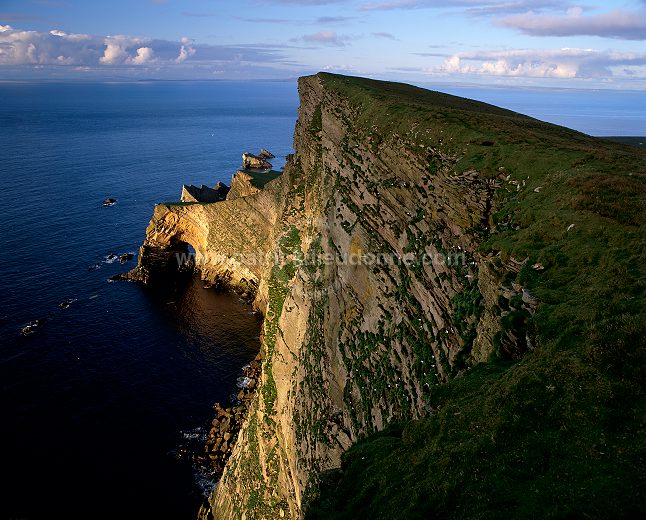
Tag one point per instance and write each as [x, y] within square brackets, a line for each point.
[639, 142]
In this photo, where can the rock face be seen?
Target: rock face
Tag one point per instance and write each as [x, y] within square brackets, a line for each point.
[366, 258]
[242, 185]
[372, 242]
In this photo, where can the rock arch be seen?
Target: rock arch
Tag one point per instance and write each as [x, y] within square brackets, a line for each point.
[231, 239]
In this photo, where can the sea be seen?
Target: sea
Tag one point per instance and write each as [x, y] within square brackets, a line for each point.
[97, 400]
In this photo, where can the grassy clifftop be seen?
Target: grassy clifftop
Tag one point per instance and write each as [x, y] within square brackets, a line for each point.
[555, 432]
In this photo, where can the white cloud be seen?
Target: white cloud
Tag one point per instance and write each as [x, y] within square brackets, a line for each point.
[553, 63]
[57, 49]
[186, 51]
[65, 60]
[341, 69]
[144, 55]
[115, 52]
[122, 49]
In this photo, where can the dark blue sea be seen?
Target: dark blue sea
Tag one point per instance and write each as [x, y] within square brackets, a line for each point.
[97, 400]
[94, 404]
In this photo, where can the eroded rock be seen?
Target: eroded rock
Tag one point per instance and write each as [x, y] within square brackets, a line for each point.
[255, 162]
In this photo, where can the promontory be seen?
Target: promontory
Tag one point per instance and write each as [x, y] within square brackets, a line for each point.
[454, 312]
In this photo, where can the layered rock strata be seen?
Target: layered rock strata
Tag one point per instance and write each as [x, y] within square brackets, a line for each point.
[374, 241]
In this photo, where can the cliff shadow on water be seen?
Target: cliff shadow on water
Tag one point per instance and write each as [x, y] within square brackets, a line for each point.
[221, 329]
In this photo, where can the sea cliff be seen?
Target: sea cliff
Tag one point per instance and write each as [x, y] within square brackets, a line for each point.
[439, 264]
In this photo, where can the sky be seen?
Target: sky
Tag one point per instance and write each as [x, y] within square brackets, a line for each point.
[579, 44]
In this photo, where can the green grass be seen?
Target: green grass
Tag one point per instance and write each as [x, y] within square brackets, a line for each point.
[260, 178]
[559, 433]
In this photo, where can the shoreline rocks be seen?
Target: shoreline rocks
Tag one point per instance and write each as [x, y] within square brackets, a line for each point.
[228, 420]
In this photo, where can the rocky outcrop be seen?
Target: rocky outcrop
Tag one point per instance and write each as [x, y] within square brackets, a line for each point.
[226, 424]
[256, 162]
[192, 193]
[356, 255]
[229, 241]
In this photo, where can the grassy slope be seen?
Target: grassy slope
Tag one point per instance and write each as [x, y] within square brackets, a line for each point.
[561, 432]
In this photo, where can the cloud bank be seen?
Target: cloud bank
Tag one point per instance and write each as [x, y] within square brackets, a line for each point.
[475, 7]
[625, 25]
[559, 63]
[22, 49]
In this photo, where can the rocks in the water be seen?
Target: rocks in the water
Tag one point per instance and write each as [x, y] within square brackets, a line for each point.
[31, 327]
[109, 202]
[66, 304]
[255, 162]
[114, 257]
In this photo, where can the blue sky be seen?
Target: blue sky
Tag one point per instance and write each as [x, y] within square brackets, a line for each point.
[582, 44]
